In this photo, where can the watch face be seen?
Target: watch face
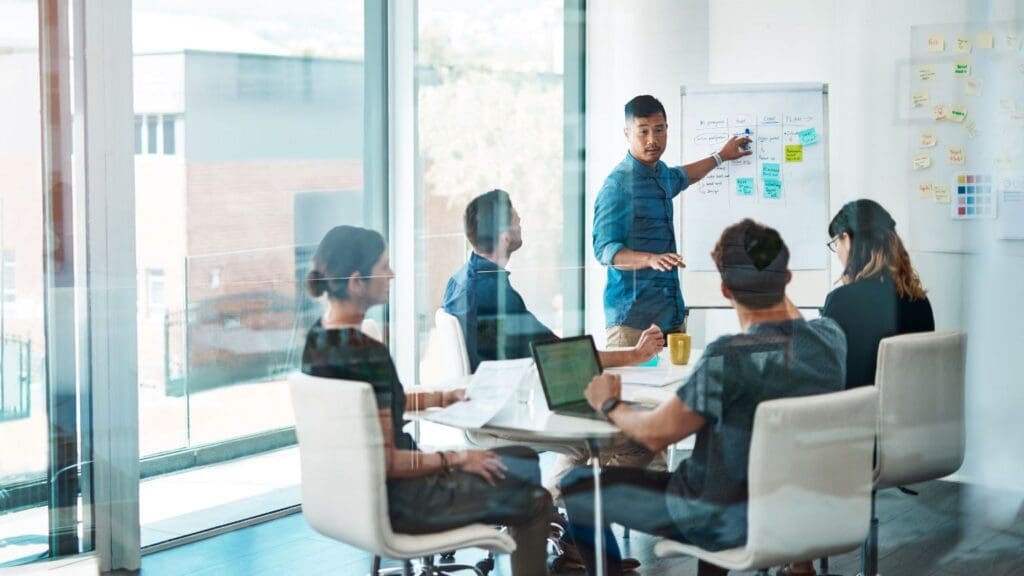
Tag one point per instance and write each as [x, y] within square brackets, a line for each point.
[609, 405]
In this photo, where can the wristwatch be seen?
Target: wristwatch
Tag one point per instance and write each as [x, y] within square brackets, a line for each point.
[610, 404]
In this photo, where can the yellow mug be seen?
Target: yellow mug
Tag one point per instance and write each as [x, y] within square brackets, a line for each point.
[679, 348]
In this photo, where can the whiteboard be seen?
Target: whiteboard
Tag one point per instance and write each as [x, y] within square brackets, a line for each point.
[783, 184]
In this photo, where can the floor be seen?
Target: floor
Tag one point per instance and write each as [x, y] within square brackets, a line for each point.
[949, 529]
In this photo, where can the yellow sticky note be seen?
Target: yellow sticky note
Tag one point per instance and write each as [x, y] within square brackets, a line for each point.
[973, 87]
[936, 43]
[971, 128]
[928, 139]
[922, 160]
[926, 189]
[794, 152]
[941, 193]
[958, 113]
[926, 71]
[939, 112]
[962, 68]
[956, 156]
[963, 44]
[985, 40]
[919, 98]
[1012, 41]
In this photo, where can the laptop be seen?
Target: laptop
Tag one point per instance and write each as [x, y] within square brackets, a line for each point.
[565, 367]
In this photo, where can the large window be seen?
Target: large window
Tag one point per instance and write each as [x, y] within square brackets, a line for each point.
[492, 114]
[249, 124]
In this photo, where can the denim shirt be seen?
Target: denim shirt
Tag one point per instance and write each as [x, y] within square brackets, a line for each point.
[494, 318]
[634, 210]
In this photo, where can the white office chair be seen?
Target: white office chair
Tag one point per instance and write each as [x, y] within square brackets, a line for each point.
[809, 481]
[920, 381]
[452, 356]
[344, 495]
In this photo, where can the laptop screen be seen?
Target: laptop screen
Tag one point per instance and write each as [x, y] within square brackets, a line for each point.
[566, 367]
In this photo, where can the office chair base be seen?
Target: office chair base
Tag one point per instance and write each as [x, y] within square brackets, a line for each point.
[427, 568]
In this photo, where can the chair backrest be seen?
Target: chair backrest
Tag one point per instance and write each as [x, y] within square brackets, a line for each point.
[810, 475]
[453, 358]
[920, 380]
[341, 450]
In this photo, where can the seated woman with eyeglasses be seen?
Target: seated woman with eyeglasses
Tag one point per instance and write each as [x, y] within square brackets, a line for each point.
[427, 492]
[881, 294]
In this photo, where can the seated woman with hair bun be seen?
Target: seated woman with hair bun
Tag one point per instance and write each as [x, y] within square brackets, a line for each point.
[881, 294]
[427, 492]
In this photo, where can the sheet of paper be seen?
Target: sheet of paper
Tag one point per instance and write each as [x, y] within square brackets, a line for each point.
[493, 385]
[922, 160]
[973, 87]
[936, 43]
[653, 377]
[1010, 224]
[926, 189]
[956, 156]
[958, 113]
[794, 152]
[1008, 104]
[926, 72]
[941, 194]
[919, 98]
[929, 139]
[962, 68]
[963, 44]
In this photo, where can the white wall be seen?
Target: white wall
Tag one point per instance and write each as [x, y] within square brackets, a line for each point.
[854, 47]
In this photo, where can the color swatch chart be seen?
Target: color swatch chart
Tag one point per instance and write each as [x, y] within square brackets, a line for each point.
[974, 197]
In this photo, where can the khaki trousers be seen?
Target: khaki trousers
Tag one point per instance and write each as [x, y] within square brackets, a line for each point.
[619, 336]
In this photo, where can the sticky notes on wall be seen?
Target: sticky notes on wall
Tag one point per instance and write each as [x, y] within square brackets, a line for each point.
[1007, 104]
[929, 139]
[963, 44]
[957, 113]
[919, 99]
[973, 87]
[939, 112]
[770, 170]
[936, 43]
[794, 152]
[808, 136]
[962, 68]
[1012, 41]
[772, 188]
[926, 72]
[985, 40]
[956, 156]
[941, 193]
[922, 160]
[926, 189]
[744, 186]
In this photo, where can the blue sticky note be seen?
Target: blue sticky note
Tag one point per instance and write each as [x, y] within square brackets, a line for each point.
[808, 136]
[652, 362]
[770, 170]
[772, 188]
[744, 186]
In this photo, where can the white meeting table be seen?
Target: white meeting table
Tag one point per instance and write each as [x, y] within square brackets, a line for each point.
[531, 422]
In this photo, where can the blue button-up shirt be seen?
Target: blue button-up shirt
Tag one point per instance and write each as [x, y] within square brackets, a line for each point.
[494, 318]
[634, 210]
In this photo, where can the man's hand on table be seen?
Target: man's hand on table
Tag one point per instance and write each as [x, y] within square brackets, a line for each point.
[650, 344]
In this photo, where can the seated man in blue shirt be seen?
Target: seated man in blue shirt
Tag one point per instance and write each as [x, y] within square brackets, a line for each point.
[494, 318]
[778, 354]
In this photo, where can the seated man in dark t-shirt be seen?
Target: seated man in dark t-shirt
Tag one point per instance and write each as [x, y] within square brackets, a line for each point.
[778, 355]
[495, 321]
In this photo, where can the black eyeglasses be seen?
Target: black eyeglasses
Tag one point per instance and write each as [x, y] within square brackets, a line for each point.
[831, 244]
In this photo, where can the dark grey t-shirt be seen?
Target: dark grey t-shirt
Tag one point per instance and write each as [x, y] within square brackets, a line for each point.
[708, 492]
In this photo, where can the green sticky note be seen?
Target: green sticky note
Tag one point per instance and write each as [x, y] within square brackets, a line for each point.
[772, 189]
[744, 186]
[794, 152]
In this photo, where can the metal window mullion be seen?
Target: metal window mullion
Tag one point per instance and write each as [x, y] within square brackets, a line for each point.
[574, 166]
[105, 168]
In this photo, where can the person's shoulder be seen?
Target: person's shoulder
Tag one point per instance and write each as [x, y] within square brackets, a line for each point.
[827, 328]
[619, 174]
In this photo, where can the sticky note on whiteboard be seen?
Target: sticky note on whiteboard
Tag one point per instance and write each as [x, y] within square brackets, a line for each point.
[744, 186]
[770, 170]
[936, 43]
[922, 160]
[926, 189]
[956, 156]
[772, 188]
[939, 112]
[958, 113]
[808, 136]
[1012, 41]
[941, 194]
[985, 40]
[919, 98]
[926, 72]
[794, 152]
[973, 87]
[928, 139]
[963, 44]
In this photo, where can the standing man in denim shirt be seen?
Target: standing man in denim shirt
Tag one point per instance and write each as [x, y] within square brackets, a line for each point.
[634, 235]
